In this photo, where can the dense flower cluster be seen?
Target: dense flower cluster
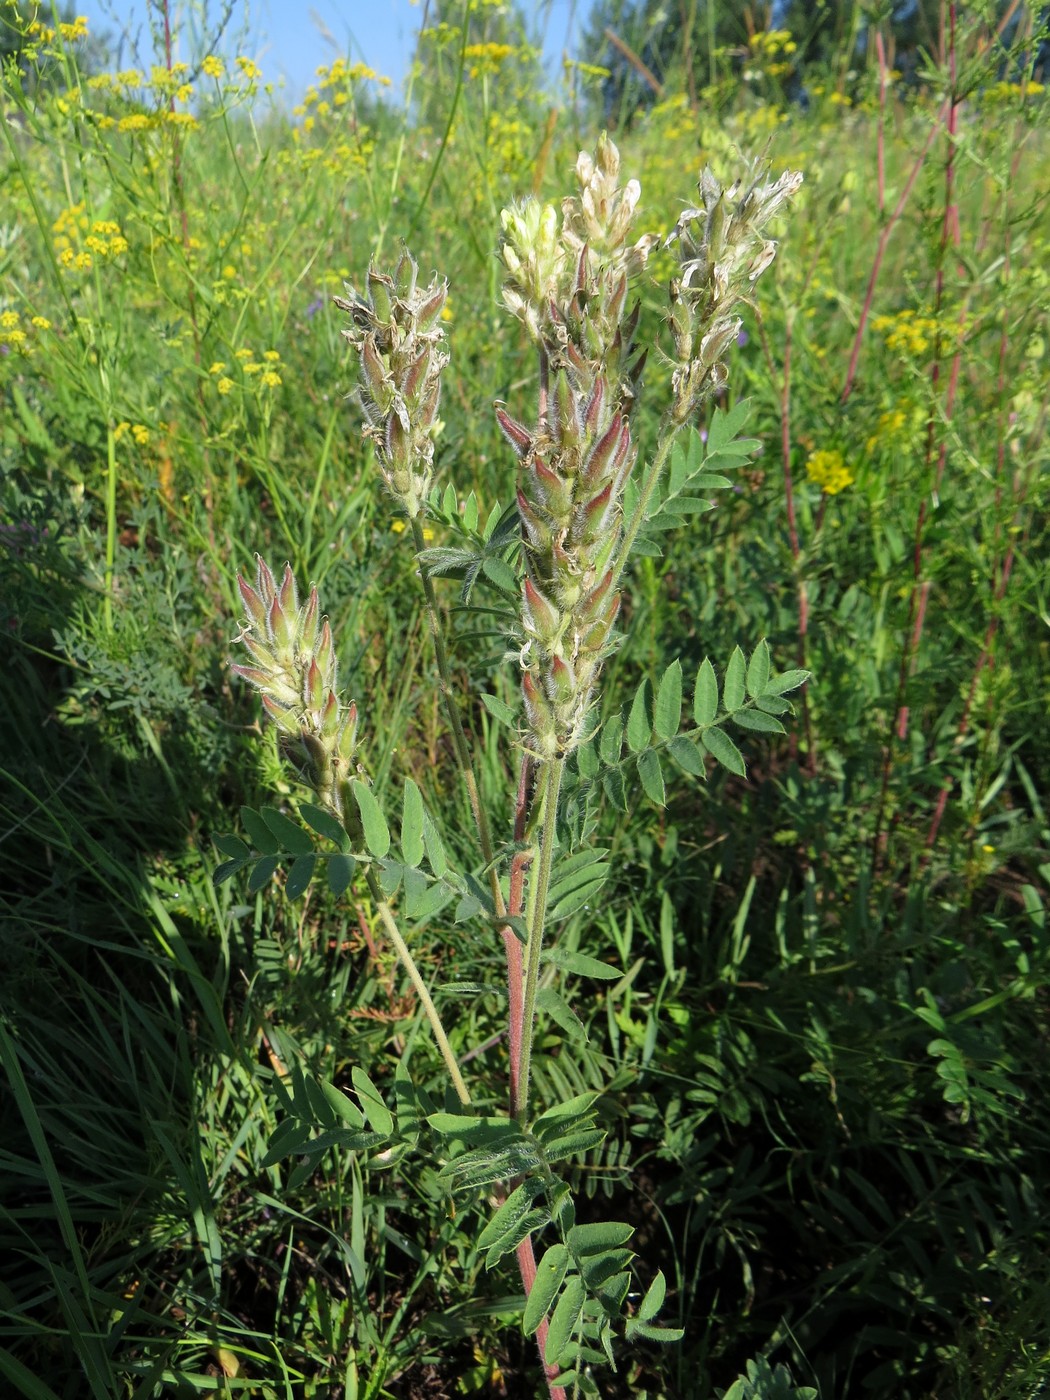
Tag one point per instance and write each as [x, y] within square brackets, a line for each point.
[294, 669]
[827, 469]
[399, 336]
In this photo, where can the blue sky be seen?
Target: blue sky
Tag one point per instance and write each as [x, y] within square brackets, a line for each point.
[290, 39]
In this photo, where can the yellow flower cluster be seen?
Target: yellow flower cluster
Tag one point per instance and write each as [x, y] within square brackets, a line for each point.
[138, 431]
[826, 469]
[69, 31]
[334, 88]
[891, 425]
[249, 69]
[1004, 94]
[771, 43]
[906, 332]
[265, 368]
[213, 67]
[78, 241]
[486, 58]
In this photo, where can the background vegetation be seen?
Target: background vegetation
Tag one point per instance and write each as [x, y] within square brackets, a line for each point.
[824, 1069]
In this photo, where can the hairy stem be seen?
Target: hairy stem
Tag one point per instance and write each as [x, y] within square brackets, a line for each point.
[549, 787]
[416, 977]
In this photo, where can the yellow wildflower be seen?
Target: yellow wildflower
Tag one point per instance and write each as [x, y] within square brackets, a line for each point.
[244, 353]
[271, 379]
[217, 367]
[213, 67]
[272, 355]
[41, 323]
[224, 385]
[9, 319]
[826, 469]
[250, 70]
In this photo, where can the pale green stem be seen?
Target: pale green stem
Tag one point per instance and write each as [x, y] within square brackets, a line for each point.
[402, 950]
[549, 784]
[459, 738]
[111, 523]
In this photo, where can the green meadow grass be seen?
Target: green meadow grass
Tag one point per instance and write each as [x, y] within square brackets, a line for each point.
[824, 1067]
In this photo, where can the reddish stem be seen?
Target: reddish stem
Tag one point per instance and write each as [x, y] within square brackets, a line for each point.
[880, 149]
[527, 1268]
[880, 251]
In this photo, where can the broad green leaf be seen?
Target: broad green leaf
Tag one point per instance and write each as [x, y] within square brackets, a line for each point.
[299, 876]
[719, 745]
[587, 760]
[705, 697]
[578, 1109]
[289, 834]
[611, 740]
[675, 1334]
[580, 964]
[262, 874]
[227, 870]
[560, 1012]
[758, 670]
[498, 572]
[598, 1237]
[232, 846]
[756, 720]
[325, 824]
[340, 872]
[576, 880]
[422, 899]
[652, 777]
[667, 711]
[638, 720]
[572, 1144]
[375, 1110]
[412, 824]
[470, 513]
[261, 835]
[688, 757]
[654, 1298]
[377, 835]
[341, 1105]
[500, 710]
[615, 788]
[535, 1220]
[787, 680]
[550, 1272]
[564, 1319]
[733, 684]
[773, 705]
[434, 846]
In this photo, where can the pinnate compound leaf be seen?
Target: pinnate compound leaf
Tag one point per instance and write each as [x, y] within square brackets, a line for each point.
[290, 835]
[638, 720]
[375, 1110]
[300, 875]
[652, 777]
[721, 748]
[654, 1298]
[340, 873]
[787, 680]
[688, 757]
[733, 684]
[232, 846]
[705, 696]
[759, 722]
[561, 1013]
[550, 1272]
[758, 670]
[262, 874]
[580, 964]
[261, 836]
[325, 824]
[377, 834]
[667, 712]
[435, 847]
[564, 1319]
[412, 824]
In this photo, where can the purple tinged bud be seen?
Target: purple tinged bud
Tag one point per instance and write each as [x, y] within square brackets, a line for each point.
[607, 453]
[566, 418]
[415, 377]
[264, 657]
[537, 532]
[537, 711]
[313, 687]
[265, 582]
[348, 734]
[330, 715]
[396, 444]
[562, 681]
[280, 628]
[516, 433]
[377, 380]
[594, 415]
[251, 674]
[281, 716]
[595, 515]
[380, 288]
[541, 616]
[405, 275]
[324, 652]
[431, 308]
[308, 620]
[254, 605]
[553, 491]
[289, 594]
[582, 269]
[614, 306]
[596, 600]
